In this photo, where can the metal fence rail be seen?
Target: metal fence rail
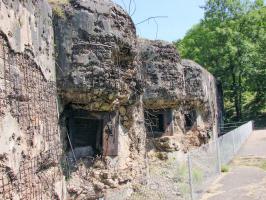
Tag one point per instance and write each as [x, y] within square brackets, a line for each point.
[227, 127]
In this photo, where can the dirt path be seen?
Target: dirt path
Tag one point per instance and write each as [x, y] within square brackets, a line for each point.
[246, 179]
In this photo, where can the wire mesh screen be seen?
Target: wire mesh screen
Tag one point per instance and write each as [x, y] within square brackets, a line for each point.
[230, 143]
[30, 98]
[226, 147]
[167, 179]
[205, 162]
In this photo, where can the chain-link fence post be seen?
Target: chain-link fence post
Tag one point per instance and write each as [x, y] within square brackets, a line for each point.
[218, 152]
[190, 176]
[234, 142]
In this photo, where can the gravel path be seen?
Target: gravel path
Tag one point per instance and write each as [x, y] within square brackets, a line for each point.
[246, 179]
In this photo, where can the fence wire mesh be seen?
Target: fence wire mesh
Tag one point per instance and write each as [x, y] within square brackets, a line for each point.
[168, 179]
[204, 166]
[206, 161]
[230, 143]
[188, 177]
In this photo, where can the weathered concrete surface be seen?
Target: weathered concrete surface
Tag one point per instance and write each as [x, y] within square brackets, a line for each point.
[163, 74]
[101, 67]
[27, 26]
[182, 86]
[201, 94]
[28, 110]
[97, 57]
[98, 71]
[247, 176]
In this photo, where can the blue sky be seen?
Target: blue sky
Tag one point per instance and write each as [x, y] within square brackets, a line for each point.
[181, 16]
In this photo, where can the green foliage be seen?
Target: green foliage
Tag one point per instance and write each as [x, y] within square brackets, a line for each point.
[225, 168]
[230, 42]
[57, 7]
[59, 12]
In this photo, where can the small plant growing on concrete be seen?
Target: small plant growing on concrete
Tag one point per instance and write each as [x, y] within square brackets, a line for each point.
[57, 7]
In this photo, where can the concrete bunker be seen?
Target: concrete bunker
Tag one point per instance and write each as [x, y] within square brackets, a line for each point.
[102, 70]
[159, 123]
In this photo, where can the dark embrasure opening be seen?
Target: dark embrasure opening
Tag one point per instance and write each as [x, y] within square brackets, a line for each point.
[157, 122]
[86, 132]
[190, 119]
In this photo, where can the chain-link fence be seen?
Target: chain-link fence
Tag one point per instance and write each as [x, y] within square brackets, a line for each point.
[205, 163]
[227, 127]
[167, 179]
[188, 177]
[230, 143]
[204, 166]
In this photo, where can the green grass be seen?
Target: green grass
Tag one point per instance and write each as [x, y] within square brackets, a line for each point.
[225, 168]
[197, 175]
[59, 12]
[263, 165]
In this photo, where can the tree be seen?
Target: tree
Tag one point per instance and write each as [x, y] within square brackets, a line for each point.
[229, 42]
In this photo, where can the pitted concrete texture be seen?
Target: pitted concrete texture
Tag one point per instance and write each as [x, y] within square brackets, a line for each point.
[246, 179]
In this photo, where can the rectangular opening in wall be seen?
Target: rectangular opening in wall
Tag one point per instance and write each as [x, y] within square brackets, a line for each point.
[158, 122]
[190, 119]
[90, 134]
[86, 132]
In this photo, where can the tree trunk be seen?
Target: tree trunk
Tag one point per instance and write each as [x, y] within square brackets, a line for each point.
[236, 97]
[240, 95]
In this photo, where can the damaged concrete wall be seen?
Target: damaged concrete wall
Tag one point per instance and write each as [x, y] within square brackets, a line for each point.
[163, 74]
[182, 86]
[27, 25]
[201, 92]
[98, 71]
[29, 135]
[96, 45]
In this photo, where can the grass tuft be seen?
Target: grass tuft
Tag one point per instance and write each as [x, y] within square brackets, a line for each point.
[225, 168]
[263, 165]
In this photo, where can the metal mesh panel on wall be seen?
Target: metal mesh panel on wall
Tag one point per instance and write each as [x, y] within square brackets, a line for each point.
[31, 100]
